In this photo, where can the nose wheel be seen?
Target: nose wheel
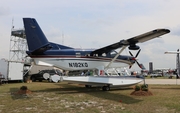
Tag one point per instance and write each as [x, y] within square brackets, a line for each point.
[106, 88]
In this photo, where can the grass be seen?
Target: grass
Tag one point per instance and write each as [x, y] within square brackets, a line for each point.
[71, 98]
[163, 77]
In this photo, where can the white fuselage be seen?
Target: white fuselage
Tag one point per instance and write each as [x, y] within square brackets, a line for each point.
[80, 63]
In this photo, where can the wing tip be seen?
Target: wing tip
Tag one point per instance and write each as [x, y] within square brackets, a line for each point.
[167, 30]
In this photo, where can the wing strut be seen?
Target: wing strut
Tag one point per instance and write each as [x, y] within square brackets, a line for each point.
[115, 57]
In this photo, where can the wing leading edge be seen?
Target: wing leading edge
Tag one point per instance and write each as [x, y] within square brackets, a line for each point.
[132, 41]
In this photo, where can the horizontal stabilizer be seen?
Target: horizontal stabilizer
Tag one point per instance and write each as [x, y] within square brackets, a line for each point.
[58, 46]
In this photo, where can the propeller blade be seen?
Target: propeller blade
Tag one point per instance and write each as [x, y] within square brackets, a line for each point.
[138, 53]
[130, 53]
[138, 64]
[130, 67]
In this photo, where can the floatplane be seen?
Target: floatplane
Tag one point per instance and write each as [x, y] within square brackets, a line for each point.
[70, 59]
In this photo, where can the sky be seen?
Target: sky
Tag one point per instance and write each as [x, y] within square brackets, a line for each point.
[98, 23]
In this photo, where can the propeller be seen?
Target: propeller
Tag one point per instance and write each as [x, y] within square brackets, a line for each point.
[135, 58]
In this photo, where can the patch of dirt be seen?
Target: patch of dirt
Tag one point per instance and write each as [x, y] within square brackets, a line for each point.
[141, 93]
[24, 92]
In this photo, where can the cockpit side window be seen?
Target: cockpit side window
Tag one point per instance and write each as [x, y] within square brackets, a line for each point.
[104, 54]
[113, 53]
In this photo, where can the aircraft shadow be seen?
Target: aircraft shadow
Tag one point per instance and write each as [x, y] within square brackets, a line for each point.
[96, 92]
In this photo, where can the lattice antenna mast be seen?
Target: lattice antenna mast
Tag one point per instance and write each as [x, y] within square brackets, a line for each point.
[177, 63]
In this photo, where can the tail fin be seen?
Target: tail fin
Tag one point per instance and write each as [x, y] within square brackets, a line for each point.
[37, 41]
[142, 67]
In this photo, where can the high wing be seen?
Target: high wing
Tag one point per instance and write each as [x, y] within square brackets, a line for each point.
[132, 41]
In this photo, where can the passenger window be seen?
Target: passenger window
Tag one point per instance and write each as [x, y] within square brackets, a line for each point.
[78, 54]
[88, 55]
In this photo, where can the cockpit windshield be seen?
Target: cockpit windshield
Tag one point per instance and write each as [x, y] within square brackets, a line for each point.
[113, 53]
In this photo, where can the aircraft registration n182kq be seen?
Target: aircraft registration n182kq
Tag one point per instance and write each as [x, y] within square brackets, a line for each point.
[68, 58]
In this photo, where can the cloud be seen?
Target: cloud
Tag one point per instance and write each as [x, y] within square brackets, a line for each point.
[4, 11]
[176, 30]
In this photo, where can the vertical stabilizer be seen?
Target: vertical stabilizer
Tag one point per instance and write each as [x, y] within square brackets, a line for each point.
[143, 68]
[37, 41]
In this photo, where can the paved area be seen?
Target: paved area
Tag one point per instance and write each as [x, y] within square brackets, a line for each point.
[162, 81]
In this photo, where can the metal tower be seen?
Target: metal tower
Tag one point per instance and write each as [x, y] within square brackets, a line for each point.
[18, 45]
[177, 63]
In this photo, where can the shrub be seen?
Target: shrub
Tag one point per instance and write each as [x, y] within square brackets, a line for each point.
[137, 88]
[144, 87]
[23, 88]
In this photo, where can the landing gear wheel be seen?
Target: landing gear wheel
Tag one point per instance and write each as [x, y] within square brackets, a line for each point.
[105, 88]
